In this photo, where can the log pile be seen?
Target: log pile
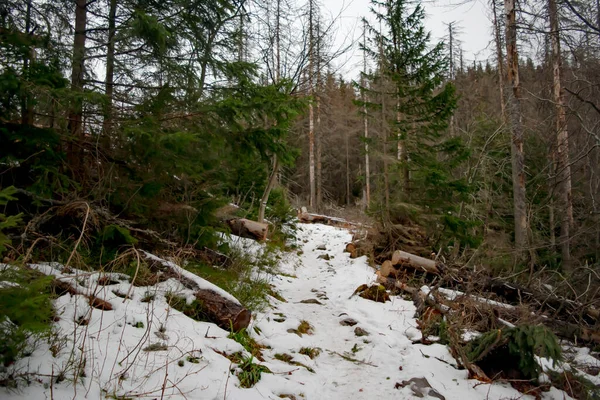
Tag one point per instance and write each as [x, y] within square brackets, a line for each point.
[505, 302]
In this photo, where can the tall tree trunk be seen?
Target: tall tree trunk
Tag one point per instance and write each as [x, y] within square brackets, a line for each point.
[75, 124]
[318, 132]
[562, 141]
[386, 177]
[500, 57]
[278, 41]
[514, 102]
[347, 144]
[311, 111]
[366, 120]
[107, 124]
[26, 104]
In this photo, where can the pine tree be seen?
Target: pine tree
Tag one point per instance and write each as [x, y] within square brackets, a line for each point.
[422, 99]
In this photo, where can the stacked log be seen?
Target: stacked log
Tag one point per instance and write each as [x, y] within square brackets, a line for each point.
[555, 312]
[401, 259]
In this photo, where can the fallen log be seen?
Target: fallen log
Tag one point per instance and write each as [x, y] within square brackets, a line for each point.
[248, 229]
[405, 259]
[220, 306]
[309, 218]
[62, 286]
[225, 313]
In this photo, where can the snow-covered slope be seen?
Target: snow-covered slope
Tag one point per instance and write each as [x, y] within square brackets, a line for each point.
[104, 354]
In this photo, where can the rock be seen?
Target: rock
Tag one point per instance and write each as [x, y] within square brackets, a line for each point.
[420, 388]
[311, 301]
[348, 322]
[358, 331]
[325, 257]
[322, 247]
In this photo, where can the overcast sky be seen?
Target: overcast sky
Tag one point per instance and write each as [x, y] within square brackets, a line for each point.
[472, 18]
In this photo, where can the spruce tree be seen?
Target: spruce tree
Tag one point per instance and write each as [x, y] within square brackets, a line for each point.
[423, 102]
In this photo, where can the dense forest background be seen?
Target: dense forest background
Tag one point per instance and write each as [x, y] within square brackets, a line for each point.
[142, 119]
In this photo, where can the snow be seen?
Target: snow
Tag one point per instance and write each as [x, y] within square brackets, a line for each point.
[101, 353]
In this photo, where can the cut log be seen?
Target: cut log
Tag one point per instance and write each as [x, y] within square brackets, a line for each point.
[410, 260]
[225, 313]
[350, 248]
[248, 229]
[387, 269]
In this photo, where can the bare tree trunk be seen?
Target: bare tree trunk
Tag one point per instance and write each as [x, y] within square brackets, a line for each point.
[518, 162]
[75, 124]
[311, 112]
[386, 178]
[265, 197]
[318, 132]
[107, 123]
[278, 41]
[500, 57]
[562, 142]
[347, 167]
[366, 121]
[452, 74]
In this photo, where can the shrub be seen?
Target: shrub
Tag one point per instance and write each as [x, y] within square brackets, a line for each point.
[25, 310]
[7, 222]
[522, 343]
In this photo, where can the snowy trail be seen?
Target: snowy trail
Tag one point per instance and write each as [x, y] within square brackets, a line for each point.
[145, 349]
[384, 357]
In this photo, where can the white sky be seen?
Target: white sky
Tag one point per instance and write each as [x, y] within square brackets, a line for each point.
[472, 18]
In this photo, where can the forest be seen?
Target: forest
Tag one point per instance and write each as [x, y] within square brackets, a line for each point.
[130, 125]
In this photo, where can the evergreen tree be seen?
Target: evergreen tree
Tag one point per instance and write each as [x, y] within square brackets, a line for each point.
[414, 75]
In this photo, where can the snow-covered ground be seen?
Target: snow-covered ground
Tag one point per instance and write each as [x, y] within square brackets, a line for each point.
[105, 354]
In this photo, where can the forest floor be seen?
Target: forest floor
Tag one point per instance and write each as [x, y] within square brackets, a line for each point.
[320, 343]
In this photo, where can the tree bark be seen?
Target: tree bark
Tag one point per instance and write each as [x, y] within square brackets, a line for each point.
[319, 131]
[366, 121]
[517, 156]
[311, 112]
[400, 257]
[500, 57]
[265, 197]
[562, 141]
[222, 311]
[75, 124]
